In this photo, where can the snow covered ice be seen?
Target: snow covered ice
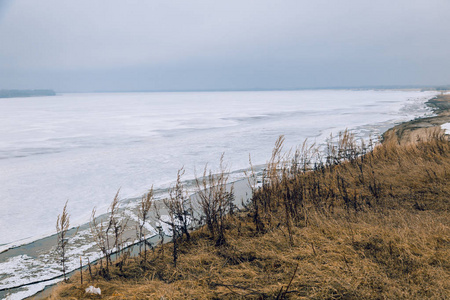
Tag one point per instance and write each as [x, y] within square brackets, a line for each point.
[84, 147]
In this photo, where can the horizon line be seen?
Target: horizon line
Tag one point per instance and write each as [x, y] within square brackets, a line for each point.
[365, 87]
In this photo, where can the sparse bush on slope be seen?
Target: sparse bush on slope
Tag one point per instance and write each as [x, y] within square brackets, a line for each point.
[362, 222]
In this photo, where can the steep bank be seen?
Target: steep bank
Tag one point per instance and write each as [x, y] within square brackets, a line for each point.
[359, 227]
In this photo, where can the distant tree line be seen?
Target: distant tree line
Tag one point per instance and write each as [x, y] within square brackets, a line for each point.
[25, 93]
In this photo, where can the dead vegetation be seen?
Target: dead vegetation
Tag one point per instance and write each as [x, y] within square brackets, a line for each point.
[143, 215]
[62, 226]
[216, 203]
[362, 222]
[179, 212]
[108, 235]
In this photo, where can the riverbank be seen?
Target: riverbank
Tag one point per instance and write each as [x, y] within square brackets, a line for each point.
[82, 242]
[359, 227]
[423, 128]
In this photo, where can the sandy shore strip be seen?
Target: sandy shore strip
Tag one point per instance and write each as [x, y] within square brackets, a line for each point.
[41, 260]
[423, 128]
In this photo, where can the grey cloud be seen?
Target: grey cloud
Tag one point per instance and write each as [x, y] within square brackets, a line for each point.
[144, 45]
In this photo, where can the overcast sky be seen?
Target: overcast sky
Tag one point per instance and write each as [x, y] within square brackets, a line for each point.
[111, 45]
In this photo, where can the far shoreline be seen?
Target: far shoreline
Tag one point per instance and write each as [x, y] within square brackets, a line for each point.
[25, 93]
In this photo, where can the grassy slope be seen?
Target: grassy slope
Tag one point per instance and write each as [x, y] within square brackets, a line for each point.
[370, 228]
[409, 132]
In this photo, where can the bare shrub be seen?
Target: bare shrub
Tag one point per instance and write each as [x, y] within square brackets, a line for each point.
[180, 213]
[108, 234]
[252, 183]
[62, 226]
[117, 223]
[215, 201]
[143, 215]
[100, 235]
[294, 180]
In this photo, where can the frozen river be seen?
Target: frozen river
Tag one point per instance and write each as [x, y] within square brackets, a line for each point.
[84, 147]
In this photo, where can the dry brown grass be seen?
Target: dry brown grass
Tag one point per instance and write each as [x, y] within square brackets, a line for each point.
[371, 227]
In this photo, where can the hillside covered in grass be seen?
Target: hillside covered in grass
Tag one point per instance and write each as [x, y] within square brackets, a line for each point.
[364, 223]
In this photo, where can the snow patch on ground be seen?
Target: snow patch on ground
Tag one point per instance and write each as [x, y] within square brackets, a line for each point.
[446, 127]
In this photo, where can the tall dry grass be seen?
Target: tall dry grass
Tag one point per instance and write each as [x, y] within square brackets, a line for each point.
[62, 226]
[143, 217]
[215, 201]
[108, 234]
[180, 213]
[361, 223]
